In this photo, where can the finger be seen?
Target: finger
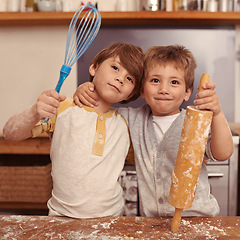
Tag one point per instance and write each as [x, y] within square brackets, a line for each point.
[77, 102]
[203, 107]
[88, 94]
[52, 94]
[87, 98]
[62, 97]
[207, 103]
[46, 115]
[91, 97]
[88, 101]
[85, 95]
[205, 94]
[209, 85]
[91, 86]
[53, 101]
[46, 107]
[205, 100]
[46, 111]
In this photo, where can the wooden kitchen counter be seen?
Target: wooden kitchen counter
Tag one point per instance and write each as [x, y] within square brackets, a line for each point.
[44, 227]
[39, 145]
[42, 144]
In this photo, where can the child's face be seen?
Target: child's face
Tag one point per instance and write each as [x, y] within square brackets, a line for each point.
[164, 90]
[112, 81]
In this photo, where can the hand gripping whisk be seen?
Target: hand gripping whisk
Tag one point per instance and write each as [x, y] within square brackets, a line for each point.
[79, 39]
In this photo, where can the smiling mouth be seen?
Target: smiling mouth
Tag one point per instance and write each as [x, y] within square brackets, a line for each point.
[163, 99]
[114, 87]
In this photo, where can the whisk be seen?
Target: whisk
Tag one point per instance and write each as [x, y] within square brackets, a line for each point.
[79, 39]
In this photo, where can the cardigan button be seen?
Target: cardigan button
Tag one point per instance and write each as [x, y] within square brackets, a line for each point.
[160, 201]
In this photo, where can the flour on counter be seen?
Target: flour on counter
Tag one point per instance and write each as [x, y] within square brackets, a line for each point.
[114, 228]
[204, 228]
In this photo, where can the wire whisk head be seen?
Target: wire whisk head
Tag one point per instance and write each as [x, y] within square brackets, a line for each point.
[81, 35]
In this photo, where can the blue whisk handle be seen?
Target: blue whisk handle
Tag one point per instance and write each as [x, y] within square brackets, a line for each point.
[66, 69]
[64, 72]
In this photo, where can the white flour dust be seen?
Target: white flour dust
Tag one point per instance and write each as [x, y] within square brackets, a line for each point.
[43, 227]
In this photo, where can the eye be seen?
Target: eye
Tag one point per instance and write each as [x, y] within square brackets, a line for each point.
[155, 80]
[130, 79]
[175, 82]
[114, 67]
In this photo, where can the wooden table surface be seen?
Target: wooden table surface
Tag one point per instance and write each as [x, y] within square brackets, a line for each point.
[45, 227]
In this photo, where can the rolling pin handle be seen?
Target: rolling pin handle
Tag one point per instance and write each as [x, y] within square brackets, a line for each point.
[176, 219]
[204, 79]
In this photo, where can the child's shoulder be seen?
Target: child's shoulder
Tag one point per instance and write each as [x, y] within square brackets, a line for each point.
[68, 102]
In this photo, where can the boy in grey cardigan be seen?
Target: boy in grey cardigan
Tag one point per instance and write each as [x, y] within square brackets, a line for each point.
[156, 128]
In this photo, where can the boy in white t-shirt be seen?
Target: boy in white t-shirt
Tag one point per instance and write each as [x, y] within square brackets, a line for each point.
[156, 128]
[89, 146]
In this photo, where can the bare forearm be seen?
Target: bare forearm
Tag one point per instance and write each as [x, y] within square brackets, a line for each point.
[221, 142]
[19, 126]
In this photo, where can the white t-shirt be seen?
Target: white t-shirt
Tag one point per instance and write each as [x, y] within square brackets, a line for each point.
[162, 123]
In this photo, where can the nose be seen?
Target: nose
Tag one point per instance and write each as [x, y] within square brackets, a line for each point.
[119, 80]
[163, 88]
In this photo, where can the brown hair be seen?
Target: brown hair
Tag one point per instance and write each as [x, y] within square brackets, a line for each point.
[131, 58]
[178, 55]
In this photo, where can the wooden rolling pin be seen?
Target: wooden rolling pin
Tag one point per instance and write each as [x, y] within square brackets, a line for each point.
[188, 164]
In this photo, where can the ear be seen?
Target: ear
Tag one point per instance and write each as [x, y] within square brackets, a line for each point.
[92, 70]
[187, 94]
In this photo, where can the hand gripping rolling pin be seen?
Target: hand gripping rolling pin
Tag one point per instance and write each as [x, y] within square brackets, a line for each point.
[188, 164]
